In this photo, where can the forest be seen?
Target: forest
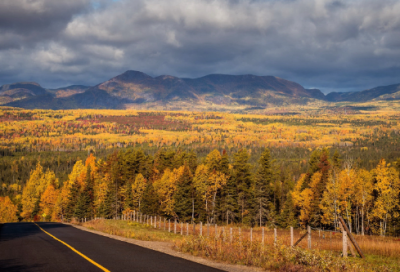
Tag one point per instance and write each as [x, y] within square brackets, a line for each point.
[256, 170]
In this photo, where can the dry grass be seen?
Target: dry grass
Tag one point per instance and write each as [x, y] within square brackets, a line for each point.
[133, 230]
[241, 249]
[332, 241]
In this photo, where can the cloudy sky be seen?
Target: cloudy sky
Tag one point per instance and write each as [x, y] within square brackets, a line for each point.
[332, 45]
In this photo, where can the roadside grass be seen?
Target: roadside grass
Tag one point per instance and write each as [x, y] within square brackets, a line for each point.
[132, 230]
[279, 257]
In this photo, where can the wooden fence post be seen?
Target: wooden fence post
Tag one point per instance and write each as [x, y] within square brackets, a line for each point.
[345, 244]
[165, 222]
[169, 225]
[216, 231]
[175, 226]
[343, 224]
[187, 229]
[181, 228]
[201, 229]
[291, 236]
[208, 229]
[251, 235]
[309, 236]
[275, 237]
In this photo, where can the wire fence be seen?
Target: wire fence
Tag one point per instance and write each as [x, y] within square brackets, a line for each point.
[310, 238]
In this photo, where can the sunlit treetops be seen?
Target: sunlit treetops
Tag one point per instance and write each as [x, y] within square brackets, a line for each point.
[40, 130]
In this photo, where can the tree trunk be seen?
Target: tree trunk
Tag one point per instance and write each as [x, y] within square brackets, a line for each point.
[192, 210]
[362, 221]
[260, 212]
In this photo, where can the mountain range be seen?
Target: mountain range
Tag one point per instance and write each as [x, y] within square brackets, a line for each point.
[139, 90]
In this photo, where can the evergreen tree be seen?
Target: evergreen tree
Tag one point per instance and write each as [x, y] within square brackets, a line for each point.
[243, 179]
[84, 205]
[128, 196]
[184, 195]
[262, 187]
[150, 201]
[324, 168]
[337, 162]
[72, 199]
[287, 217]
[224, 163]
[229, 208]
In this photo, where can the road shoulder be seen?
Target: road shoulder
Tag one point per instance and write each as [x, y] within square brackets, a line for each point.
[166, 248]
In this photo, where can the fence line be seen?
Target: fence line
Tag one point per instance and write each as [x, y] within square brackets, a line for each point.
[259, 235]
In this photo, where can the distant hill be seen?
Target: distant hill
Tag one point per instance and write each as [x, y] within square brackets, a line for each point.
[68, 91]
[20, 91]
[218, 89]
[87, 100]
[134, 87]
[139, 90]
[378, 93]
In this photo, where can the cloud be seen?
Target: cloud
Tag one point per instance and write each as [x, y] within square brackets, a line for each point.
[329, 44]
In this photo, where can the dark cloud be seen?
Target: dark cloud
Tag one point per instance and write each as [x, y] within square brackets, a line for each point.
[327, 44]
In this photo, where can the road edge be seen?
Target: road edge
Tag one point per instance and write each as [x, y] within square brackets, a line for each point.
[174, 253]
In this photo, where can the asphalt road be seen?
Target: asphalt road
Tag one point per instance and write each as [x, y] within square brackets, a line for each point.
[24, 247]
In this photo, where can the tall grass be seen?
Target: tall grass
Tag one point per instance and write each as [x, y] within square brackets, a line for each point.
[128, 229]
[245, 246]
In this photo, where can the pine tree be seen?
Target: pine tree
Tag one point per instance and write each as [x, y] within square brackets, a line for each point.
[337, 162]
[213, 160]
[229, 202]
[128, 196]
[184, 196]
[287, 217]
[150, 201]
[84, 205]
[243, 179]
[262, 186]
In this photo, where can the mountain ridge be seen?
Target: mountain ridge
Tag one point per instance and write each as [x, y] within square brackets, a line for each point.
[136, 89]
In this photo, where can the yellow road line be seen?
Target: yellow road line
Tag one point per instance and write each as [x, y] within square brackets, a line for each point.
[76, 251]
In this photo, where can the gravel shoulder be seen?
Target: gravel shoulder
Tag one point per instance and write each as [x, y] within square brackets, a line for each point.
[166, 247]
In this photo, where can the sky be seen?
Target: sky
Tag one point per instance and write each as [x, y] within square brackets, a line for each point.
[331, 45]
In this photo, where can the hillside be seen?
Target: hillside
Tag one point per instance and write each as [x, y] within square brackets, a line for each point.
[87, 100]
[69, 90]
[139, 89]
[134, 89]
[20, 91]
[378, 93]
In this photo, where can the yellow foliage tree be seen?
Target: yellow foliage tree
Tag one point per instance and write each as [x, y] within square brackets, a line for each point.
[387, 185]
[48, 203]
[8, 211]
[363, 193]
[207, 183]
[34, 188]
[165, 188]
[138, 188]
